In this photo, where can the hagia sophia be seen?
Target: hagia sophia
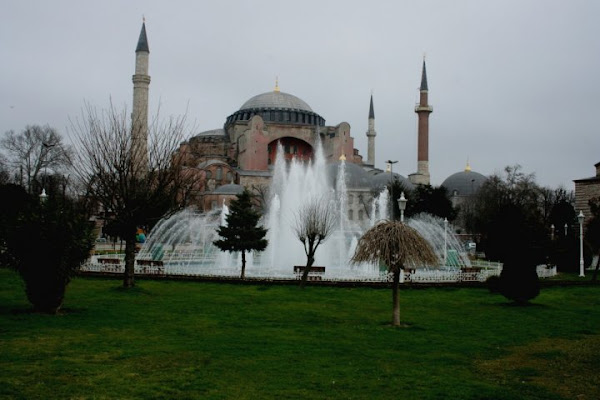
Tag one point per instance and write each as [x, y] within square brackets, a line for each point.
[242, 152]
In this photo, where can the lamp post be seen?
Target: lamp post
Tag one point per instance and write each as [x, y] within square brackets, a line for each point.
[402, 205]
[390, 164]
[43, 196]
[566, 226]
[552, 232]
[580, 218]
[445, 241]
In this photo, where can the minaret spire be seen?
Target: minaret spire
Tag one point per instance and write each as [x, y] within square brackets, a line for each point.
[424, 77]
[423, 109]
[139, 114]
[143, 40]
[371, 135]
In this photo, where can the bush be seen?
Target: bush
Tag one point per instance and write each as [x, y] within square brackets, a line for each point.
[45, 244]
[493, 284]
[519, 281]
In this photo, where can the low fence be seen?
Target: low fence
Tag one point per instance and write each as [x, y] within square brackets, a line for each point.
[479, 271]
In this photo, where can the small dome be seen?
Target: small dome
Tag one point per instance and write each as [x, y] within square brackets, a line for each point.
[230, 189]
[356, 176]
[382, 179]
[276, 100]
[213, 132]
[464, 183]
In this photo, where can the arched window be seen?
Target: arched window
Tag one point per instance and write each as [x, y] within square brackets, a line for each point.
[219, 173]
[360, 215]
[350, 215]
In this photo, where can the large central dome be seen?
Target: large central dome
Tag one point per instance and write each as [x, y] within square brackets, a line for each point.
[277, 107]
[276, 100]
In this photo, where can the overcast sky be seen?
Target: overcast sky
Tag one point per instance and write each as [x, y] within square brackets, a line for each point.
[509, 81]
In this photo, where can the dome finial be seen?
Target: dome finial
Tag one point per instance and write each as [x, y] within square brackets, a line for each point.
[468, 167]
[276, 84]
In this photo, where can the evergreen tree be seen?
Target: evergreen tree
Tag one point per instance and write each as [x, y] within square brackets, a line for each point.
[241, 232]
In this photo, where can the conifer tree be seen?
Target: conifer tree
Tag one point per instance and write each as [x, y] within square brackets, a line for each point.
[242, 232]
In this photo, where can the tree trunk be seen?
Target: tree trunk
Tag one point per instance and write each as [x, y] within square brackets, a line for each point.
[595, 276]
[309, 262]
[243, 264]
[396, 298]
[128, 277]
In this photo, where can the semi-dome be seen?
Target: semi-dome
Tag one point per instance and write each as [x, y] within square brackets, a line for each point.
[382, 179]
[356, 176]
[277, 107]
[464, 183]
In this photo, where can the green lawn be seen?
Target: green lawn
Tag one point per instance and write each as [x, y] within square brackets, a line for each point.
[177, 340]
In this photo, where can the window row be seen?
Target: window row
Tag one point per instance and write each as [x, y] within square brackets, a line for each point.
[279, 116]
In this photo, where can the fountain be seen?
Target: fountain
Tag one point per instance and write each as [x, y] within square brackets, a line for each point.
[182, 243]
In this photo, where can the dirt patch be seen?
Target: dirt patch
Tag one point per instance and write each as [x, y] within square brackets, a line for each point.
[569, 368]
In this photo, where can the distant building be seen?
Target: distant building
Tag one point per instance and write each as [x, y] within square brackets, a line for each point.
[585, 190]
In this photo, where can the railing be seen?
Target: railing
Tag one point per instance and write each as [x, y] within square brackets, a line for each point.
[479, 271]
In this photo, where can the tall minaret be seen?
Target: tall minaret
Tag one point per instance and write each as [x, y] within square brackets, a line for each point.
[371, 135]
[423, 109]
[139, 114]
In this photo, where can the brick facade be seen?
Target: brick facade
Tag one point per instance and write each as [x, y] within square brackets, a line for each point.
[585, 190]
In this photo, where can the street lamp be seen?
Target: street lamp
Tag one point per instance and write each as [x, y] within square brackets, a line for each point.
[402, 205]
[580, 218]
[43, 196]
[445, 241]
[566, 226]
[552, 232]
[390, 163]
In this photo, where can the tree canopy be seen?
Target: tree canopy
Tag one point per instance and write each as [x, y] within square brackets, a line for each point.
[135, 193]
[32, 152]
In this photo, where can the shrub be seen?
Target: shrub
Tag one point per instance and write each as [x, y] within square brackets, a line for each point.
[493, 284]
[46, 245]
[519, 281]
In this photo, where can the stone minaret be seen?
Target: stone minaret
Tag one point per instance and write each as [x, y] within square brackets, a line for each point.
[423, 109]
[371, 136]
[139, 114]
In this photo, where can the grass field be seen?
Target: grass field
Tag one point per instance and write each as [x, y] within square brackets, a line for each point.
[178, 340]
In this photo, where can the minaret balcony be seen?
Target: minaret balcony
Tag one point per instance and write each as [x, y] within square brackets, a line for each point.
[421, 108]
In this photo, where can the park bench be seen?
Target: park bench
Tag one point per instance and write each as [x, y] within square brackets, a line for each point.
[315, 273]
[146, 266]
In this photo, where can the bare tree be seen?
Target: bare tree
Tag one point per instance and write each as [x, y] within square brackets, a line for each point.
[314, 223]
[32, 152]
[398, 246]
[138, 193]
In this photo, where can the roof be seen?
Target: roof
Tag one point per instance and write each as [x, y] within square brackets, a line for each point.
[464, 183]
[356, 176]
[212, 132]
[142, 44]
[210, 162]
[246, 172]
[230, 188]
[276, 100]
[382, 179]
